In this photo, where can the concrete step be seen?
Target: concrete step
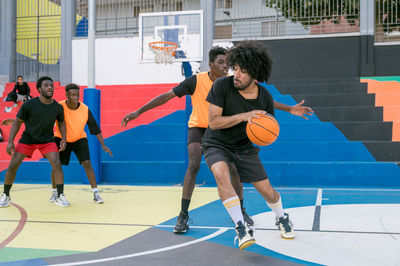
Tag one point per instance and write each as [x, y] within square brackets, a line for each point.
[346, 113]
[297, 174]
[387, 151]
[323, 100]
[277, 152]
[322, 88]
[132, 104]
[305, 131]
[115, 117]
[366, 131]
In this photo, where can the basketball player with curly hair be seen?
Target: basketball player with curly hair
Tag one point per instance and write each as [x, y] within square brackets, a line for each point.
[233, 102]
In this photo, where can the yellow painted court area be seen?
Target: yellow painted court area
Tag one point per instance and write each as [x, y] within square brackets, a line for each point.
[86, 226]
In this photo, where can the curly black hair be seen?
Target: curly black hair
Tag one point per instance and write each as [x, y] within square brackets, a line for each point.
[253, 57]
[40, 80]
[71, 86]
[214, 52]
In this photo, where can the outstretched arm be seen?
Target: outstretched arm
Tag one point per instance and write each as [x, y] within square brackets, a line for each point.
[297, 109]
[13, 132]
[103, 145]
[157, 101]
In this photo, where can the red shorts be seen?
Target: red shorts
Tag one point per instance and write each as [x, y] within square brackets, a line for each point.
[28, 149]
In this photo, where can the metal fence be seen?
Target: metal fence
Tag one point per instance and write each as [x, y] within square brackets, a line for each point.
[387, 21]
[233, 18]
[38, 33]
[243, 19]
[116, 17]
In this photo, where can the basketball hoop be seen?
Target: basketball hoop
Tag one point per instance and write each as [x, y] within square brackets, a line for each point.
[164, 51]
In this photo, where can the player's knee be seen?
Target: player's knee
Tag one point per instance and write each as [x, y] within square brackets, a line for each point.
[220, 176]
[57, 165]
[194, 166]
[86, 164]
[13, 166]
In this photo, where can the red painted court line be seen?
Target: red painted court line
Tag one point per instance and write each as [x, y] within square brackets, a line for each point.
[18, 229]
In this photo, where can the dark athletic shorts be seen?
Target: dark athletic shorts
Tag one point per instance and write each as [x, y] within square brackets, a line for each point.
[195, 134]
[79, 147]
[247, 162]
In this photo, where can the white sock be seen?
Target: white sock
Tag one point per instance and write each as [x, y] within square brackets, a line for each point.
[54, 190]
[277, 207]
[95, 190]
[232, 205]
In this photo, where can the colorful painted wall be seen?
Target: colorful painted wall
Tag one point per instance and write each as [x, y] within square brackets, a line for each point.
[314, 152]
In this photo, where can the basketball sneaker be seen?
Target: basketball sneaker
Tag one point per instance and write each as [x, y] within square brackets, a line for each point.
[53, 197]
[286, 227]
[4, 201]
[97, 199]
[62, 201]
[182, 223]
[247, 218]
[244, 236]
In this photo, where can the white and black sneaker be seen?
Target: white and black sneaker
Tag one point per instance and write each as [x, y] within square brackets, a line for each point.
[244, 235]
[62, 201]
[4, 201]
[53, 197]
[285, 226]
[97, 199]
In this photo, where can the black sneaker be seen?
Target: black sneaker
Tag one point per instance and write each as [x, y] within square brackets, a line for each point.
[247, 218]
[285, 226]
[182, 223]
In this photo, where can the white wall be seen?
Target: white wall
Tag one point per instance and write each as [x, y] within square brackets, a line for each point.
[3, 81]
[117, 62]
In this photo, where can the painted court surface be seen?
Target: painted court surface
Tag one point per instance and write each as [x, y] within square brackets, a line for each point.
[134, 227]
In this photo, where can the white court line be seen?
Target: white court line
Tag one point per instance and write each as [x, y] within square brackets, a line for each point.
[319, 198]
[275, 229]
[197, 226]
[219, 232]
[330, 188]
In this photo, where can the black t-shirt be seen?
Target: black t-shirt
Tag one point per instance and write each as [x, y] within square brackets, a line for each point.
[39, 121]
[22, 89]
[186, 87]
[223, 94]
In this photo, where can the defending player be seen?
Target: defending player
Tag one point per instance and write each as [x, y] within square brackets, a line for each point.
[77, 115]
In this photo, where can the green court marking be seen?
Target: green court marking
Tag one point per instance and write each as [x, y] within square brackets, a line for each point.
[15, 254]
[395, 78]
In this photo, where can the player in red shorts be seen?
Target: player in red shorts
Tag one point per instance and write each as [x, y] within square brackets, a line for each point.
[39, 116]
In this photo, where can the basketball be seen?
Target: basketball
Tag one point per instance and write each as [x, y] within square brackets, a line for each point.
[263, 130]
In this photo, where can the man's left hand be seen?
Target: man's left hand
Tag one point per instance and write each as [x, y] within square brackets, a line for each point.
[301, 110]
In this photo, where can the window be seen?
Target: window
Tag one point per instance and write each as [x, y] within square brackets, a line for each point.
[223, 4]
[142, 9]
[223, 32]
[273, 28]
[177, 6]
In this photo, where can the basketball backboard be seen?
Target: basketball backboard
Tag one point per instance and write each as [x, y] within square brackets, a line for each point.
[183, 27]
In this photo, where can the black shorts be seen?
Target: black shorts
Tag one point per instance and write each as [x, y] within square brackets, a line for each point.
[248, 163]
[195, 134]
[79, 147]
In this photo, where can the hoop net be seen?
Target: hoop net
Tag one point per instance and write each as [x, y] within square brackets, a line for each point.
[164, 51]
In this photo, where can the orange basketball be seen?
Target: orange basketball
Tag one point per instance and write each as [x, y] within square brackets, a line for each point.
[263, 130]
